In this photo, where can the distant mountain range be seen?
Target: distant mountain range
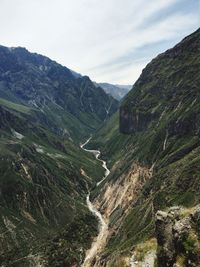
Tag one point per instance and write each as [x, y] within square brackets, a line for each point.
[118, 91]
[115, 90]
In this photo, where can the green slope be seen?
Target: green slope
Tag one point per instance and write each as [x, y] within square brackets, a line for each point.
[45, 113]
[159, 128]
[42, 186]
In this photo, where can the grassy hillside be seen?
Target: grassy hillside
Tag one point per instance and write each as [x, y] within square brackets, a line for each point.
[43, 188]
[45, 113]
[158, 130]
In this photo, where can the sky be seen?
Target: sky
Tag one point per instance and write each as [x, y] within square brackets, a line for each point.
[108, 40]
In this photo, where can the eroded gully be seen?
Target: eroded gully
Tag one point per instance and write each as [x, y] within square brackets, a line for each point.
[100, 241]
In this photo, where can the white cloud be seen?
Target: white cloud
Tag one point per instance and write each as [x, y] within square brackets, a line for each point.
[94, 37]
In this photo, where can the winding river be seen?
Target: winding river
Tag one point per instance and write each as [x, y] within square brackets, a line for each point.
[100, 241]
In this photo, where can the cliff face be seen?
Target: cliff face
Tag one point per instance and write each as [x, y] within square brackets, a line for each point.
[131, 122]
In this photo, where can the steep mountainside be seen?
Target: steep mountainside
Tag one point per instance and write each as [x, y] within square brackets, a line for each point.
[155, 163]
[69, 105]
[45, 113]
[115, 90]
[42, 189]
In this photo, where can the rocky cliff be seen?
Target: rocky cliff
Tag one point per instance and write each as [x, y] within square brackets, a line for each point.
[177, 232]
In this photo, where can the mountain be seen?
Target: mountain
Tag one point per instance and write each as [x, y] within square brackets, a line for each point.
[72, 103]
[76, 74]
[45, 113]
[152, 148]
[117, 91]
[149, 203]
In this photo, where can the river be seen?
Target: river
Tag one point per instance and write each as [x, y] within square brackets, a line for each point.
[100, 241]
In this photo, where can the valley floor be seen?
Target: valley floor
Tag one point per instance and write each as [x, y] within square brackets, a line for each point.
[100, 241]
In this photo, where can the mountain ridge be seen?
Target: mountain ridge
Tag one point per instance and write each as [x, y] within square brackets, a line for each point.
[153, 154]
[37, 81]
[115, 90]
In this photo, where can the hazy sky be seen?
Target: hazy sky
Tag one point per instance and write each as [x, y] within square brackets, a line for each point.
[108, 40]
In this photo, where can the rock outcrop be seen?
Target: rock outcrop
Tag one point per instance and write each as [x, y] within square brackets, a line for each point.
[134, 121]
[178, 237]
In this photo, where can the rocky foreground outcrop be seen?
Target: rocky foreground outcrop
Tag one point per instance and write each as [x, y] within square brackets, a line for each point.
[178, 237]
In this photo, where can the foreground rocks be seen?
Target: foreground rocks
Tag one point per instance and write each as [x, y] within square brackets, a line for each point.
[178, 237]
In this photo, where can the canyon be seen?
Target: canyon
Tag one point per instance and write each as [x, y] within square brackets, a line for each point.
[126, 197]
